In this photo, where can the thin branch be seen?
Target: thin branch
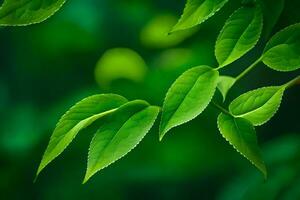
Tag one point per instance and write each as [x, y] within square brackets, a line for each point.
[223, 110]
[247, 70]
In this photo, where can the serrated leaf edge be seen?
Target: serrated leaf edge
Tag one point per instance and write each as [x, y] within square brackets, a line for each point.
[272, 38]
[175, 29]
[165, 130]
[277, 108]
[263, 171]
[86, 178]
[34, 22]
[223, 64]
[97, 116]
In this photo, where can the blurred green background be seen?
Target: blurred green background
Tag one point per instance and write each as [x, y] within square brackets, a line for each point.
[121, 46]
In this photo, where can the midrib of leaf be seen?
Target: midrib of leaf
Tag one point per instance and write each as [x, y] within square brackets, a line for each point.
[87, 177]
[211, 8]
[184, 99]
[195, 18]
[240, 136]
[239, 132]
[12, 8]
[239, 39]
[243, 139]
[247, 113]
[288, 39]
[80, 124]
[91, 119]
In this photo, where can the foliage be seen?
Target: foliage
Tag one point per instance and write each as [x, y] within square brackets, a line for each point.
[25, 12]
[122, 124]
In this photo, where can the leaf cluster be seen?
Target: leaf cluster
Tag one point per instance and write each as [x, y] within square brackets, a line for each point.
[123, 124]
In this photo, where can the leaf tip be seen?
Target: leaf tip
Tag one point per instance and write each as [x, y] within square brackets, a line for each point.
[263, 170]
[160, 137]
[162, 133]
[87, 177]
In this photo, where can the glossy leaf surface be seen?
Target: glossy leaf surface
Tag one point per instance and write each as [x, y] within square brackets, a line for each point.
[77, 118]
[26, 12]
[196, 12]
[258, 106]
[241, 134]
[119, 134]
[188, 97]
[282, 52]
[239, 35]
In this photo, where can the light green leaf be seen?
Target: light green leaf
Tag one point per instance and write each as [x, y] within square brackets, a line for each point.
[272, 12]
[258, 106]
[120, 63]
[119, 134]
[239, 35]
[224, 85]
[241, 134]
[77, 118]
[196, 12]
[155, 33]
[282, 52]
[188, 97]
[26, 12]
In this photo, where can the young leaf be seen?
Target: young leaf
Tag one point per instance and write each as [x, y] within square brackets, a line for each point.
[26, 12]
[241, 134]
[258, 106]
[119, 134]
[239, 35]
[77, 118]
[196, 12]
[188, 97]
[282, 52]
[224, 85]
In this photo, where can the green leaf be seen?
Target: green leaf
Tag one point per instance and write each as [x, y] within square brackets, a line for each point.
[239, 35]
[155, 33]
[77, 118]
[188, 97]
[120, 63]
[241, 134]
[119, 134]
[282, 52]
[272, 12]
[258, 106]
[26, 12]
[196, 12]
[224, 85]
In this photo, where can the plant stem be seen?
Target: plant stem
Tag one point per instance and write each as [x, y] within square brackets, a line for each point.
[223, 110]
[247, 70]
[293, 82]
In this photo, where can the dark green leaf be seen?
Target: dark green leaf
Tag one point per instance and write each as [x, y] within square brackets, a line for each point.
[272, 11]
[282, 52]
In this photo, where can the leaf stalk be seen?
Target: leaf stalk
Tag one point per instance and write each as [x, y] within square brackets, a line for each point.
[248, 69]
[295, 81]
[223, 110]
